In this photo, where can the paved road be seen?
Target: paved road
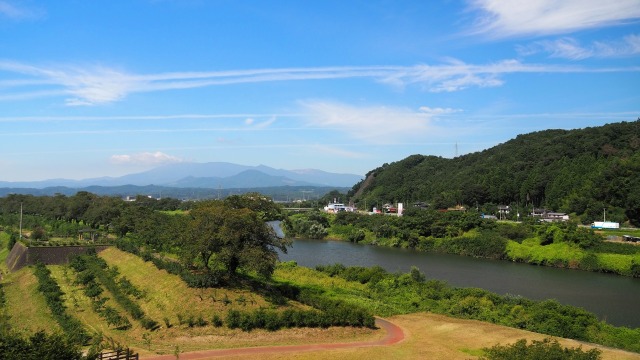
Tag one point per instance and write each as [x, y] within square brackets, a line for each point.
[394, 335]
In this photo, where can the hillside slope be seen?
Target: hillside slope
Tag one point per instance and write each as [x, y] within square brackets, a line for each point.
[576, 171]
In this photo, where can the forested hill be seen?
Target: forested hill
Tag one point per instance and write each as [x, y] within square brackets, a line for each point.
[574, 171]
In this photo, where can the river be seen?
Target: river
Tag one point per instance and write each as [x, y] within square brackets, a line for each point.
[615, 299]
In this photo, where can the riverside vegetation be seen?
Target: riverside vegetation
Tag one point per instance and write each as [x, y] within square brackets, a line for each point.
[562, 244]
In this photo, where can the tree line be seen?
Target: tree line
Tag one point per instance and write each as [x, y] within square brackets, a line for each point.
[216, 235]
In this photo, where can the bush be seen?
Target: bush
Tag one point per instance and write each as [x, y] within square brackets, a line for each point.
[356, 236]
[539, 350]
[13, 239]
[487, 244]
[590, 263]
[216, 321]
[39, 346]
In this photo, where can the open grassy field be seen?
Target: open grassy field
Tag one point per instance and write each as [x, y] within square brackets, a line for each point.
[430, 336]
[26, 305]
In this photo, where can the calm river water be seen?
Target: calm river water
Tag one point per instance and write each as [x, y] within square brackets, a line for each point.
[615, 299]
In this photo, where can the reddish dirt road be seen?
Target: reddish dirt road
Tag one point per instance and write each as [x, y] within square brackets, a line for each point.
[394, 336]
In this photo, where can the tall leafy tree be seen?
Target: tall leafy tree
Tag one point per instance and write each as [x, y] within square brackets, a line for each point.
[202, 236]
[262, 205]
[239, 238]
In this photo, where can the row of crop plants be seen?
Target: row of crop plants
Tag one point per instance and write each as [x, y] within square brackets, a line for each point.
[94, 291]
[326, 312]
[93, 271]
[4, 315]
[48, 286]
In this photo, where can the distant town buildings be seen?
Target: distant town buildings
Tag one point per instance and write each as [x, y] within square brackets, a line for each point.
[549, 216]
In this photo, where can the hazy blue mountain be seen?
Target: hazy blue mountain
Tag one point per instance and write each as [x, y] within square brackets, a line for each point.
[245, 179]
[206, 175]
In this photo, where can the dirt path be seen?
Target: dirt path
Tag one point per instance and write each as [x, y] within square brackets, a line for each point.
[394, 335]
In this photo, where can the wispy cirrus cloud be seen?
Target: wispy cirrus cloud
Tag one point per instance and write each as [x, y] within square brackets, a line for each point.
[94, 85]
[145, 158]
[438, 110]
[376, 124]
[337, 150]
[251, 122]
[570, 48]
[502, 19]
[13, 11]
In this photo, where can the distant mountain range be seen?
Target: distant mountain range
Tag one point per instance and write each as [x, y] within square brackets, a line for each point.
[211, 175]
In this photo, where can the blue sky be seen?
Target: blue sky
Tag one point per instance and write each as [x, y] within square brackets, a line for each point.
[111, 87]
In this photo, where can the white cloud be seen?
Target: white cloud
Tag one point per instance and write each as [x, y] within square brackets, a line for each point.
[145, 158]
[336, 150]
[10, 10]
[438, 111]
[570, 48]
[567, 48]
[503, 18]
[630, 45]
[259, 125]
[371, 123]
[95, 85]
[265, 124]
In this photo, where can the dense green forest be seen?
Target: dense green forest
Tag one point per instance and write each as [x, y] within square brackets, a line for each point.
[579, 172]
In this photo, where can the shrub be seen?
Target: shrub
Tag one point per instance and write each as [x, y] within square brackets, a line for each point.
[200, 321]
[539, 350]
[216, 321]
[13, 238]
[233, 319]
[39, 346]
[356, 236]
[590, 263]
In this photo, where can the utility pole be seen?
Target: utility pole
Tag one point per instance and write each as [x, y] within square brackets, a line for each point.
[20, 221]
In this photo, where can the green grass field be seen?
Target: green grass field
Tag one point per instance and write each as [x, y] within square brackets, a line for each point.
[26, 305]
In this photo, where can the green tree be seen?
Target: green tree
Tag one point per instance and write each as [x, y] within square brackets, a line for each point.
[262, 205]
[239, 238]
[202, 237]
[248, 242]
